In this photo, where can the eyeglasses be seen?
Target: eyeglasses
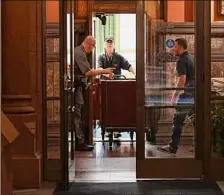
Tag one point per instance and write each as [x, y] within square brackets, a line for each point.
[109, 41]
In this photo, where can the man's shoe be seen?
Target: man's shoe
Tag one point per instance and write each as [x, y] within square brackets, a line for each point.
[117, 135]
[84, 147]
[151, 138]
[167, 149]
[192, 149]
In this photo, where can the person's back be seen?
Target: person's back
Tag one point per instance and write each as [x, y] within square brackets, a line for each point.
[190, 76]
[185, 80]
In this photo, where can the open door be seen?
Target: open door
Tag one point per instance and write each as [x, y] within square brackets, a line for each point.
[54, 115]
[155, 83]
[58, 98]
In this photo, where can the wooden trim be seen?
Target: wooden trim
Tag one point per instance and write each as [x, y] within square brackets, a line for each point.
[172, 168]
[217, 29]
[188, 11]
[203, 83]
[217, 169]
[140, 84]
[114, 6]
[163, 10]
[217, 13]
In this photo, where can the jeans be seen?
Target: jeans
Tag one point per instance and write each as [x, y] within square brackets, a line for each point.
[179, 118]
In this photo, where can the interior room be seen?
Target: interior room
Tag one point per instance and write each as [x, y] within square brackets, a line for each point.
[113, 96]
[101, 164]
[105, 115]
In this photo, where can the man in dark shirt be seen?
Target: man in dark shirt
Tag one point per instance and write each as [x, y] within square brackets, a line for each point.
[112, 59]
[82, 71]
[186, 79]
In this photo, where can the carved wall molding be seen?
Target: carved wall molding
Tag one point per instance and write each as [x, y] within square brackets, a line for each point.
[17, 104]
[221, 7]
[81, 9]
[114, 7]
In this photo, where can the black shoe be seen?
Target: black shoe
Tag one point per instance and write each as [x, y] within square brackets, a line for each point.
[151, 138]
[167, 149]
[84, 147]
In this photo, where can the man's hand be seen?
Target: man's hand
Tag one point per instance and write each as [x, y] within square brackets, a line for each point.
[109, 76]
[109, 70]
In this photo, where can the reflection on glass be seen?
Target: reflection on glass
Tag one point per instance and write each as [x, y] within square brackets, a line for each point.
[217, 129]
[53, 129]
[217, 113]
[169, 98]
[52, 46]
[53, 78]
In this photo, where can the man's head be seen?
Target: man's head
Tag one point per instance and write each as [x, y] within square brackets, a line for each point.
[180, 46]
[89, 44]
[109, 44]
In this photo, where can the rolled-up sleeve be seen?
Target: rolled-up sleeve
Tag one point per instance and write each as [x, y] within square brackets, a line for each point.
[81, 61]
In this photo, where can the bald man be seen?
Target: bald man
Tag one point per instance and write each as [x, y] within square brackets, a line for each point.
[82, 72]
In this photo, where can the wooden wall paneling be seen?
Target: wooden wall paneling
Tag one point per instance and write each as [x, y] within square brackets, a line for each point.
[81, 9]
[20, 61]
[217, 15]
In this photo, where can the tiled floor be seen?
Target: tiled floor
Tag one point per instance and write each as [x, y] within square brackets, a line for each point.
[116, 164]
[108, 165]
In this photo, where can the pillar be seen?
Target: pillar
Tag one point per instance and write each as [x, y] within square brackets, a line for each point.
[21, 96]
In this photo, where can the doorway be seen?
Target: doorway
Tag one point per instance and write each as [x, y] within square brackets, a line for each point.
[111, 160]
[148, 164]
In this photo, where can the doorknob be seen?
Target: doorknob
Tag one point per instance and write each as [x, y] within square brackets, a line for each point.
[69, 109]
[73, 108]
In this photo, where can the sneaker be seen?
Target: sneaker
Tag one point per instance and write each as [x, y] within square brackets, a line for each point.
[167, 149]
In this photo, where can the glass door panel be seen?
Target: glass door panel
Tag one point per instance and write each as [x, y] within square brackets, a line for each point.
[160, 118]
[52, 161]
[217, 102]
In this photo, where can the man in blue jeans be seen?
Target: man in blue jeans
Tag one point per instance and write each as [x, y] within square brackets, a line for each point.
[185, 100]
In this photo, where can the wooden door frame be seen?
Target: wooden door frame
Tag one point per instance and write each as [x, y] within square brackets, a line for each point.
[125, 7]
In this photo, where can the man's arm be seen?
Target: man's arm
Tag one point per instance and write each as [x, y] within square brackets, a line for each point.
[131, 69]
[101, 67]
[180, 84]
[181, 69]
[92, 72]
[126, 65]
[84, 66]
